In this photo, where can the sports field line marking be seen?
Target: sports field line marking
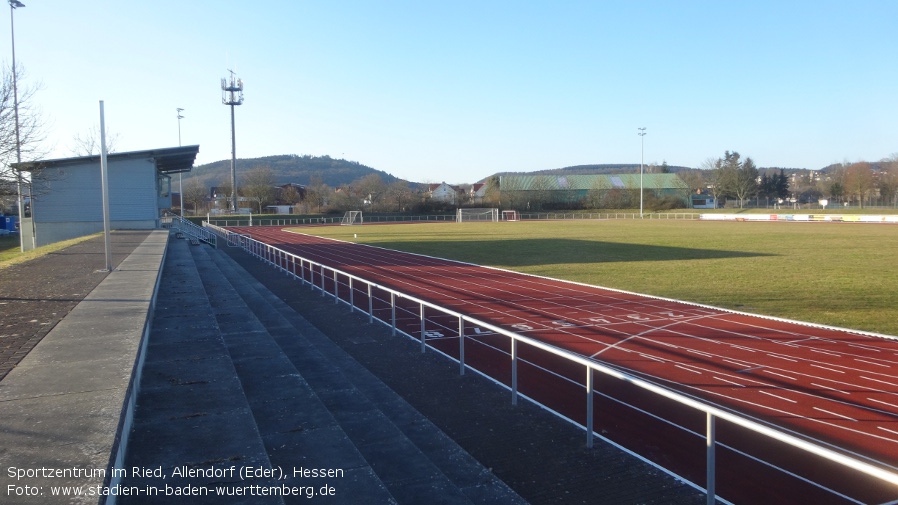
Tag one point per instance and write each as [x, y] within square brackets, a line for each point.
[890, 431]
[826, 368]
[728, 381]
[778, 396]
[872, 363]
[681, 367]
[779, 374]
[835, 414]
[829, 388]
[884, 403]
[826, 352]
[650, 330]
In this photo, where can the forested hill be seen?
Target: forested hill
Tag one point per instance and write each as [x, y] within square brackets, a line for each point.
[291, 168]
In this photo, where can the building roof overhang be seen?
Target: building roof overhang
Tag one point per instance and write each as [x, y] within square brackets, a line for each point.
[169, 160]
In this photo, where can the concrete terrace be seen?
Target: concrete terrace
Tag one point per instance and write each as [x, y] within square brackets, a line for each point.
[227, 377]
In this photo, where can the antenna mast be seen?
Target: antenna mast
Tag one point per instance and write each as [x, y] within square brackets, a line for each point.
[232, 94]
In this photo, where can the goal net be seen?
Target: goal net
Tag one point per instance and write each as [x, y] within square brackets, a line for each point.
[510, 215]
[352, 217]
[466, 215]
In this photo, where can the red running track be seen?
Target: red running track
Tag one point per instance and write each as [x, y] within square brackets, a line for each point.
[831, 386]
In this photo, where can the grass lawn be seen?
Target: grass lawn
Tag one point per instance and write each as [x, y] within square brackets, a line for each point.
[10, 249]
[830, 273]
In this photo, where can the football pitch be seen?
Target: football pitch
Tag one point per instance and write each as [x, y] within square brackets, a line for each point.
[838, 274]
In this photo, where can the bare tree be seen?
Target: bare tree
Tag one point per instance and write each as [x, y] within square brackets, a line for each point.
[258, 185]
[372, 189]
[88, 143]
[859, 181]
[400, 193]
[194, 194]
[31, 125]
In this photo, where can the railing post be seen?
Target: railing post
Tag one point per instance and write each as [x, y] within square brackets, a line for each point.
[323, 289]
[514, 371]
[423, 333]
[351, 297]
[589, 404]
[461, 345]
[393, 312]
[336, 290]
[370, 305]
[710, 443]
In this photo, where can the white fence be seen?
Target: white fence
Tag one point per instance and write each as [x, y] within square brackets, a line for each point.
[343, 286]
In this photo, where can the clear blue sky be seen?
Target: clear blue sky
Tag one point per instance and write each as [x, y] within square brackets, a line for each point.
[455, 91]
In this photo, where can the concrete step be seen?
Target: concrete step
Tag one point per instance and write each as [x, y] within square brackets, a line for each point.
[296, 427]
[414, 459]
[191, 410]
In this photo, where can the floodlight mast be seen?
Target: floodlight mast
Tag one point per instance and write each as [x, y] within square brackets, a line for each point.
[13, 5]
[641, 161]
[180, 186]
[232, 94]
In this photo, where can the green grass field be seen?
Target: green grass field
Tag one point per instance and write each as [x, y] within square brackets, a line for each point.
[830, 273]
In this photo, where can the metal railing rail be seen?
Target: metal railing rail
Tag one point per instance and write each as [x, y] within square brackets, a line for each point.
[187, 227]
[290, 263]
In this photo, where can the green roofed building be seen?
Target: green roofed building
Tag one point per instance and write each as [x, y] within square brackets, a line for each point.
[598, 190]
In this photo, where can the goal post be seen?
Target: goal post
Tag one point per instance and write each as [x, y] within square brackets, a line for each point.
[467, 215]
[352, 217]
[510, 215]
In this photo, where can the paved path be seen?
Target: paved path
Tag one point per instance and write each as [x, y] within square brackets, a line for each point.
[61, 406]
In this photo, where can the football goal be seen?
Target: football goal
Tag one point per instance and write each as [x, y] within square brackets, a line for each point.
[510, 215]
[466, 215]
[352, 217]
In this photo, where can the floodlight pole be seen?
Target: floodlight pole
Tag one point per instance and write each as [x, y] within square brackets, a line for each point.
[13, 4]
[180, 187]
[232, 94]
[641, 162]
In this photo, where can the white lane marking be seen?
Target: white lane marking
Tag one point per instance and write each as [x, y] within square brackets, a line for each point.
[864, 347]
[884, 403]
[782, 357]
[834, 414]
[880, 381]
[688, 369]
[872, 363]
[825, 352]
[651, 357]
[778, 396]
[729, 381]
[830, 389]
[826, 368]
[886, 429]
[780, 375]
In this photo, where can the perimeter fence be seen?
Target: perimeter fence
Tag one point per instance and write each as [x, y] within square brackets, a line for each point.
[267, 220]
[390, 306]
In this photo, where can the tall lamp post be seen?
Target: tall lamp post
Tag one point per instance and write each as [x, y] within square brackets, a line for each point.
[641, 162]
[13, 5]
[180, 187]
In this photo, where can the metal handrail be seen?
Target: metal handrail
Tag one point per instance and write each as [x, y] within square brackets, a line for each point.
[276, 257]
[189, 228]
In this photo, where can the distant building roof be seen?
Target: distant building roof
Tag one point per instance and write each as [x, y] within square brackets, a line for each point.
[588, 182]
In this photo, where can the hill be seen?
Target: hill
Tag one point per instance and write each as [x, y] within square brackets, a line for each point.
[291, 168]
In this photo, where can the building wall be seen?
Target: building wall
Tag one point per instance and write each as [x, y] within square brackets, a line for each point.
[68, 200]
